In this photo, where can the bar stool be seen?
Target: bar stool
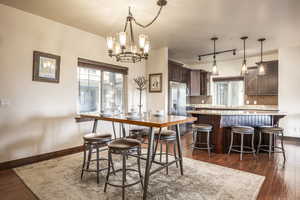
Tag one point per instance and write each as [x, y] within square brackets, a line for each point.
[242, 130]
[168, 137]
[273, 132]
[139, 133]
[202, 128]
[94, 141]
[124, 147]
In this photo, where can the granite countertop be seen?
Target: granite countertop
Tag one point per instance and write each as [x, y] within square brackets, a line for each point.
[239, 108]
[235, 112]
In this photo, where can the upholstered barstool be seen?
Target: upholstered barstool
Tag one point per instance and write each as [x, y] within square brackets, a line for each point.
[124, 147]
[273, 132]
[167, 137]
[139, 132]
[94, 141]
[198, 129]
[242, 130]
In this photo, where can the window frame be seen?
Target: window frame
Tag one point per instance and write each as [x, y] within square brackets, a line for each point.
[103, 67]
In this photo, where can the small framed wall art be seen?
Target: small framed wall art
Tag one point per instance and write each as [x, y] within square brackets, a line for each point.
[46, 67]
[155, 82]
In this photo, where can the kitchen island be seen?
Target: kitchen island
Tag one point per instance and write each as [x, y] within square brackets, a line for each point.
[222, 120]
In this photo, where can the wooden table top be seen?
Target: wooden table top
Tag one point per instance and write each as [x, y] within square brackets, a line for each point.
[236, 112]
[149, 120]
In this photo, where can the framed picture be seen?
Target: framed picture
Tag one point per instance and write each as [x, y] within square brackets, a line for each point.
[45, 67]
[155, 82]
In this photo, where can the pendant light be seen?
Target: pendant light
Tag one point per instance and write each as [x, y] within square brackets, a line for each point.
[244, 69]
[261, 67]
[215, 70]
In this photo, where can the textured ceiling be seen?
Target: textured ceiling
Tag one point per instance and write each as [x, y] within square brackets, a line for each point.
[185, 26]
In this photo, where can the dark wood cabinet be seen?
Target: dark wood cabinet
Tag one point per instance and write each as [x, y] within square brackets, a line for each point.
[195, 83]
[197, 80]
[262, 85]
[177, 72]
[199, 83]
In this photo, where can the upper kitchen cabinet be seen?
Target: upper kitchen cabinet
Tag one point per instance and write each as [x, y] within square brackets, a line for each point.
[262, 85]
[197, 80]
[199, 83]
[177, 72]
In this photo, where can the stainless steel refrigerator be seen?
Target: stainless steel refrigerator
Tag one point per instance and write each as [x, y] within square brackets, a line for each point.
[177, 98]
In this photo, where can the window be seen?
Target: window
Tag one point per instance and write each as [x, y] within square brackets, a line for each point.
[100, 90]
[229, 93]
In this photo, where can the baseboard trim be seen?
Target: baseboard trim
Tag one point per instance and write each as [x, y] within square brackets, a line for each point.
[38, 158]
[289, 138]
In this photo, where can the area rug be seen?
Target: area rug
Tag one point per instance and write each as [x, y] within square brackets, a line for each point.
[59, 179]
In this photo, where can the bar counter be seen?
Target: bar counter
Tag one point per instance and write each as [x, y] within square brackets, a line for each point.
[222, 120]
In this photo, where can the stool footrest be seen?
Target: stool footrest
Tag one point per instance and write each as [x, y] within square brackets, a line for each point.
[127, 185]
[245, 147]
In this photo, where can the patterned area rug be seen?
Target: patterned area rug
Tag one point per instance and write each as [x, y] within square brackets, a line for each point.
[60, 179]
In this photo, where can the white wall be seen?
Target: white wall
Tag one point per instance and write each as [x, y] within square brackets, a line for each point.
[40, 117]
[289, 85]
[158, 63]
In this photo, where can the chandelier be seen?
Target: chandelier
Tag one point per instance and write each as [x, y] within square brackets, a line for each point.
[124, 48]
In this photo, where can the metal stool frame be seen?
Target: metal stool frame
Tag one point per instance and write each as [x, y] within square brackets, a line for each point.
[196, 132]
[168, 141]
[242, 147]
[124, 154]
[272, 138]
[89, 146]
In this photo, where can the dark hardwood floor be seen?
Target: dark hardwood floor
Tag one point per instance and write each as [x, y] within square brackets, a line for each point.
[282, 182]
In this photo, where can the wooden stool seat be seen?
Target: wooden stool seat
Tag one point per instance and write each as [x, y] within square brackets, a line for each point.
[165, 134]
[271, 130]
[97, 137]
[203, 127]
[243, 129]
[124, 144]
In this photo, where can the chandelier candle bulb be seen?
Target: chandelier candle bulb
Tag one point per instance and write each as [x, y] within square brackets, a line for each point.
[110, 44]
[147, 47]
[122, 39]
[142, 41]
[117, 48]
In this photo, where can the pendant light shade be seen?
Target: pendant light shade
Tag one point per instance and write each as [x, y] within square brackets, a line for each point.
[215, 70]
[261, 67]
[244, 69]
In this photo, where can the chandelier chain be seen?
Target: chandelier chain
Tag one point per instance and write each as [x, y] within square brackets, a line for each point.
[151, 22]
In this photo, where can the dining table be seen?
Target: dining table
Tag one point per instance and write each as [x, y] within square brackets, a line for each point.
[152, 122]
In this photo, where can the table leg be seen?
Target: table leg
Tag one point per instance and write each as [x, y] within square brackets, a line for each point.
[123, 131]
[114, 130]
[148, 162]
[179, 148]
[95, 125]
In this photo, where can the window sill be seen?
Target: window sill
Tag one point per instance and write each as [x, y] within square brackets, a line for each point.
[80, 119]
